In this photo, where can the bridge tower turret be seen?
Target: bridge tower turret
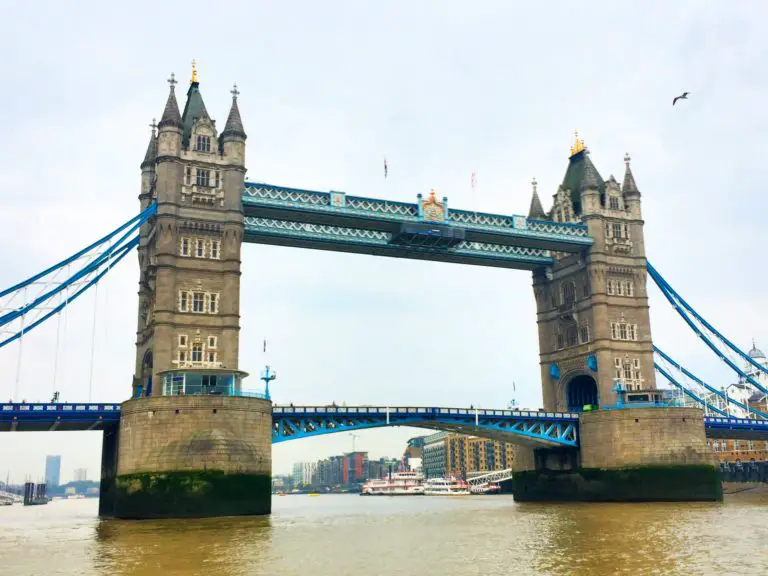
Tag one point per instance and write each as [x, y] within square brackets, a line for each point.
[191, 443]
[594, 325]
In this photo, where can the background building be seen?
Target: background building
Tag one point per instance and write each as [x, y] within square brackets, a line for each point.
[355, 467]
[446, 454]
[81, 474]
[53, 471]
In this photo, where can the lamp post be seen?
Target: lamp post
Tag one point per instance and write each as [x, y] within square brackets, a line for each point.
[267, 376]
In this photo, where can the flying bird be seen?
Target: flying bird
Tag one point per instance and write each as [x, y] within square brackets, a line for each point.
[684, 96]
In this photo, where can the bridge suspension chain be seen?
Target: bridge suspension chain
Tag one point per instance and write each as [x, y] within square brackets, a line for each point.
[678, 304]
[698, 382]
[681, 305]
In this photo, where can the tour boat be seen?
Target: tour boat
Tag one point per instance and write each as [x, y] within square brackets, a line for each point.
[395, 484]
[491, 488]
[445, 487]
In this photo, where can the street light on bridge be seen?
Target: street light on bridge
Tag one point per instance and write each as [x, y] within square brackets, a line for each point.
[267, 376]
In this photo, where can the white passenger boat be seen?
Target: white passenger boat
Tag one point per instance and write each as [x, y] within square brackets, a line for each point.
[395, 484]
[446, 487]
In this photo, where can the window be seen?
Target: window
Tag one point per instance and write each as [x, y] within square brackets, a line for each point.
[214, 249]
[198, 300]
[199, 248]
[584, 332]
[571, 335]
[197, 352]
[183, 301]
[560, 341]
[620, 287]
[211, 357]
[187, 175]
[182, 340]
[216, 179]
[213, 302]
[212, 341]
[569, 293]
[628, 373]
[182, 356]
[203, 177]
[614, 203]
[618, 230]
[203, 144]
[585, 289]
[623, 331]
[185, 245]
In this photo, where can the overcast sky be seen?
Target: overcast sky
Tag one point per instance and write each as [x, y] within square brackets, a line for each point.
[443, 89]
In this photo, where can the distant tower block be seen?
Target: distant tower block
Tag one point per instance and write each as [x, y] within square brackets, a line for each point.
[190, 443]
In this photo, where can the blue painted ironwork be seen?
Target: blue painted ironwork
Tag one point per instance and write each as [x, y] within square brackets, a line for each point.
[673, 299]
[379, 242]
[693, 396]
[337, 209]
[665, 287]
[21, 417]
[736, 428]
[537, 429]
[267, 376]
[706, 386]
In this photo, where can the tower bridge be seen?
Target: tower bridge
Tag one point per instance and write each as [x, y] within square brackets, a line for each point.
[191, 441]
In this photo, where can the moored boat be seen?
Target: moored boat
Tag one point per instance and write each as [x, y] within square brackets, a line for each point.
[395, 484]
[446, 487]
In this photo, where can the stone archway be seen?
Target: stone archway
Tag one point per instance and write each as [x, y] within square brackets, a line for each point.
[581, 391]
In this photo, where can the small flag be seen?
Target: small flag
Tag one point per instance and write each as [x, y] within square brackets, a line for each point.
[386, 168]
[265, 346]
[474, 181]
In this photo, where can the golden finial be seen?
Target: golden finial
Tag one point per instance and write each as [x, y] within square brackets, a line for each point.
[194, 72]
[432, 195]
[534, 183]
[578, 145]
[627, 158]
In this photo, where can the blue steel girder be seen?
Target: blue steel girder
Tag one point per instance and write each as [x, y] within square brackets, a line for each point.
[334, 221]
[378, 243]
[717, 427]
[36, 417]
[535, 429]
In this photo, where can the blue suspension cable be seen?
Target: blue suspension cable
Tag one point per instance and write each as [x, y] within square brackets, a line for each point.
[703, 337]
[119, 256]
[149, 211]
[658, 278]
[688, 392]
[88, 269]
[707, 386]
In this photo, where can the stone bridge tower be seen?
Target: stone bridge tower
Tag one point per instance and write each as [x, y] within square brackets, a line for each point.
[592, 308]
[190, 442]
[595, 346]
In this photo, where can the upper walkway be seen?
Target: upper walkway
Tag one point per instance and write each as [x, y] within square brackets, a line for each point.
[531, 428]
[426, 229]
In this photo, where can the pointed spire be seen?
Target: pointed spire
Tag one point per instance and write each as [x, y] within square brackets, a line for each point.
[171, 115]
[629, 184]
[536, 212]
[591, 178]
[149, 157]
[234, 125]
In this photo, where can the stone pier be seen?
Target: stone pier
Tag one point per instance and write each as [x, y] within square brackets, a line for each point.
[628, 455]
[191, 456]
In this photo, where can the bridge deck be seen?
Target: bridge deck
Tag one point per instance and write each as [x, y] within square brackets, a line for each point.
[294, 422]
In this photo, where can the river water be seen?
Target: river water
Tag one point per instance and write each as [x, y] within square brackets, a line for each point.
[345, 535]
